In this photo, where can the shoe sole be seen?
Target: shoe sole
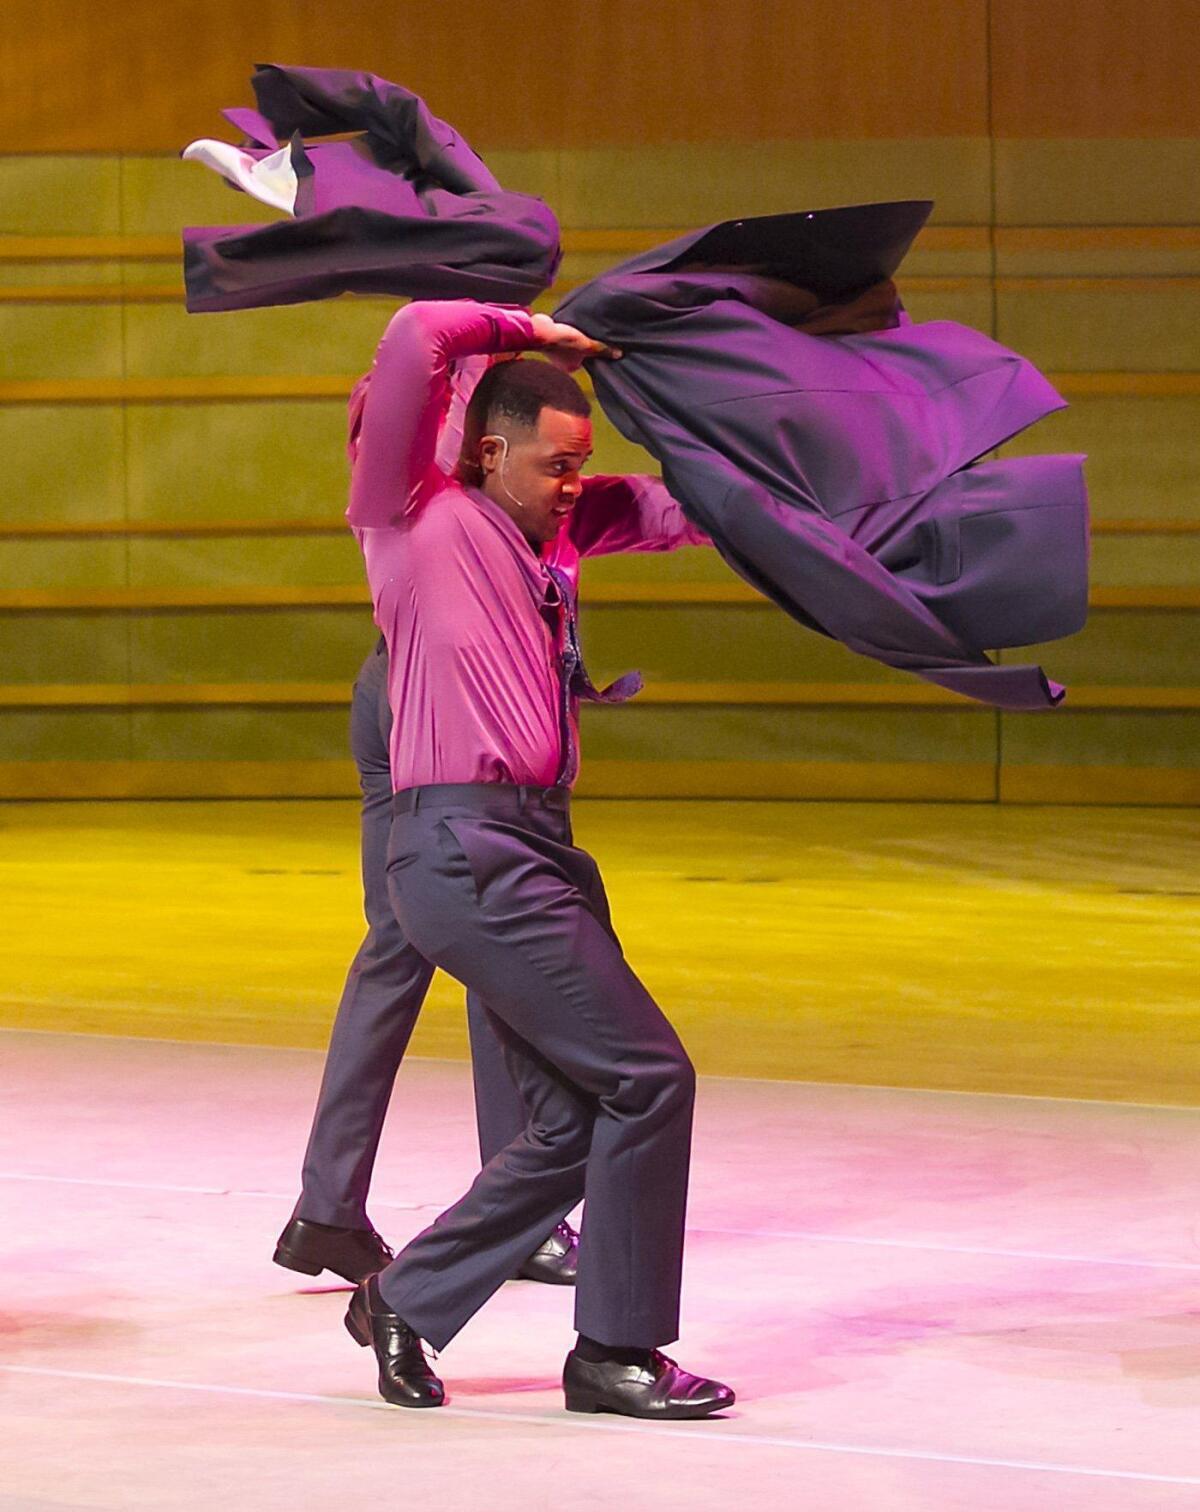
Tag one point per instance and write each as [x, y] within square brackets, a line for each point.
[291, 1261]
[544, 1280]
[393, 1402]
[585, 1402]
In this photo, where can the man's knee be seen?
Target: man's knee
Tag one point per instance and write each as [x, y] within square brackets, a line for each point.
[561, 1137]
[663, 1087]
[683, 1077]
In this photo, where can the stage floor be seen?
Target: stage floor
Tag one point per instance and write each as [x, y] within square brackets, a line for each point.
[1034, 950]
[928, 1302]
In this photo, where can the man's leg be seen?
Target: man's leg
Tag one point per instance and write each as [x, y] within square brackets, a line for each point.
[385, 988]
[515, 911]
[384, 991]
[500, 1113]
[611, 1085]
[500, 1116]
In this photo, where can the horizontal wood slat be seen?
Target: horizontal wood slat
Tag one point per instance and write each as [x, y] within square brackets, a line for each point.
[171, 695]
[1075, 785]
[948, 781]
[92, 294]
[206, 529]
[618, 241]
[1145, 527]
[90, 248]
[177, 779]
[898, 781]
[1097, 238]
[337, 386]
[289, 596]
[1145, 598]
[1046, 283]
[1074, 283]
[175, 390]
[913, 695]
[627, 241]
[177, 530]
[1121, 385]
[337, 595]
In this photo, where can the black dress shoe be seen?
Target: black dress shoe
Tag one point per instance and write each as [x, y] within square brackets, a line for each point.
[658, 1389]
[405, 1378]
[354, 1254]
[556, 1261]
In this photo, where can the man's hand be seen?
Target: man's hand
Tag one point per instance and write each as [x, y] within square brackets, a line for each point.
[566, 347]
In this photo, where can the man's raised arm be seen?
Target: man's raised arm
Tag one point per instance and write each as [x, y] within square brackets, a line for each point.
[395, 447]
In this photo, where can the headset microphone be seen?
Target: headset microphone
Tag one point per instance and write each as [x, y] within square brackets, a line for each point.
[503, 440]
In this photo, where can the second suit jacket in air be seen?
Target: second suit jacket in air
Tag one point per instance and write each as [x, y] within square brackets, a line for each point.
[841, 474]
[404, 207]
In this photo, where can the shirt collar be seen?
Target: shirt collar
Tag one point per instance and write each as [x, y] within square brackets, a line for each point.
[503, 521]
[561, 552]
[528, 558]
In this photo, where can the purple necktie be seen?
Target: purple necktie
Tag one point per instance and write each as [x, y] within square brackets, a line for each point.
[574, 679]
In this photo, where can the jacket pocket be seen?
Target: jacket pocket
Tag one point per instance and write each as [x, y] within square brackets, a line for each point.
[941, 543]
[1005, 552]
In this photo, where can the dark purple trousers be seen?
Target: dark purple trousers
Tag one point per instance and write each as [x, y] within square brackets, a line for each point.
[485, 880]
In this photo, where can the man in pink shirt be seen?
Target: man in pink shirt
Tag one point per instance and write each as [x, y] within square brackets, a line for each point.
[473, 574]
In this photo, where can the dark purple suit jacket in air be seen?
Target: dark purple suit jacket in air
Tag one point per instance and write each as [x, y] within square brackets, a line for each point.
[405, 207]
[834, 473]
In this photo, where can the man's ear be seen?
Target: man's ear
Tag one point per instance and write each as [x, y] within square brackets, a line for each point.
[492, 451]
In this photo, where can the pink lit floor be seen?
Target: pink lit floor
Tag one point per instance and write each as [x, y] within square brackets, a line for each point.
[927, 1301]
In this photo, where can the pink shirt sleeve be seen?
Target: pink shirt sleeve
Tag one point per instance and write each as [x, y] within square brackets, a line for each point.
[630, 514]
[396, 449]
[465, 374]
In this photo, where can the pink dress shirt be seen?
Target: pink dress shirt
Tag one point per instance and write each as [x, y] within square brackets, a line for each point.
[473, 677]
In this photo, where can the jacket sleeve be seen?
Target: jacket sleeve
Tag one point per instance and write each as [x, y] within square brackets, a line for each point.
[395, 467]
[325, 101]
[635, 513]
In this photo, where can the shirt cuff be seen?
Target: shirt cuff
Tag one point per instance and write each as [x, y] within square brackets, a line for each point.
[514, 330]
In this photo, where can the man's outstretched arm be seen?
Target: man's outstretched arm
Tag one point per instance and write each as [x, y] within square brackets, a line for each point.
[634, 513]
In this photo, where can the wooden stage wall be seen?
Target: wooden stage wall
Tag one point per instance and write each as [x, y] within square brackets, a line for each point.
[181, 611]
[143, 76]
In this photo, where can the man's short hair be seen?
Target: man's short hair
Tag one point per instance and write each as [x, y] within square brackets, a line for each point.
[516, 391]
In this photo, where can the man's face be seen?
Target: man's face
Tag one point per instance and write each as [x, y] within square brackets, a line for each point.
[538, 483]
